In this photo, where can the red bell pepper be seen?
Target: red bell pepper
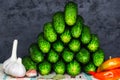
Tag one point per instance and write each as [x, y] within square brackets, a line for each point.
[107, 75]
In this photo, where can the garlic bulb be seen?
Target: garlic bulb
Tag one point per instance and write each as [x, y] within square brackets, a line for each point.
[13, 55]
[16, 68]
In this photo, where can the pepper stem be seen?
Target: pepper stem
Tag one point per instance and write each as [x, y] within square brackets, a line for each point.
[110, 57]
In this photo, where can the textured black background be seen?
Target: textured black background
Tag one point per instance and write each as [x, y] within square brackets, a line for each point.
[24, 19]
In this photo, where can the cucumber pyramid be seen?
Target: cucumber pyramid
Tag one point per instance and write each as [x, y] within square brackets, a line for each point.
[66, 45]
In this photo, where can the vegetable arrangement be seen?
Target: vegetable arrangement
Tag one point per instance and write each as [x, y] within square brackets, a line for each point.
[66, 45]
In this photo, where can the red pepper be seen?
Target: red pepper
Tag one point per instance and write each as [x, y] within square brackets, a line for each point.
[107, 75]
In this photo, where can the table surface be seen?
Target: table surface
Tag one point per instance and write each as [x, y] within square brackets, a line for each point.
[24, 20]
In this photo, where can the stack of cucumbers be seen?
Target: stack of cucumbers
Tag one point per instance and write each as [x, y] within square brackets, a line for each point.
[65, 46]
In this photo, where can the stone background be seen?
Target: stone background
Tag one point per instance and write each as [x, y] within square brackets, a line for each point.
[24, 19]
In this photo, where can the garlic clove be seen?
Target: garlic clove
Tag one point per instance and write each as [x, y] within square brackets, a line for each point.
[13, 55]
[19, 60]
[7, 69]
[6, 63]
[21, 68]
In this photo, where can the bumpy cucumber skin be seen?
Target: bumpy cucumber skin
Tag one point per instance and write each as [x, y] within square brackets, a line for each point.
[89, 67]
[43, 44]
[66, 36]
[73, 68]
[59, 67]
[53, 56]
[94, 43]
[76, 29]
[35, 53]
[44, 68]
[98, 57]
[28, 63]
[67, 55]
[59, 22]
[86, 35]
[58, 46]
[83, 56]
[74, 45]
[71, 11]
[49, 32]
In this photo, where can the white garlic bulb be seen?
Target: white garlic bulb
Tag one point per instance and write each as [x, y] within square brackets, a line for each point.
[13, 55]
[16, 68]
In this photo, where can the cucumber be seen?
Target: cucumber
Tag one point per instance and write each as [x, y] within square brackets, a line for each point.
[49, 32]
[71, 11]
[98, 57]
[53, 56]
[94, 43]
[73, 68]
[44, 68]
[35, 53]
[58, 46]
[67, 55]
[59, 22]
[86, 35]
[74, 45]
[43, 44]
[83, 56]
[66, 36]
[28, 63]
[89, 67]
[59, 67]
[76, 30]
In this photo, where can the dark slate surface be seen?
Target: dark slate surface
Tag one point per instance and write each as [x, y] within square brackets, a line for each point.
[24, 19]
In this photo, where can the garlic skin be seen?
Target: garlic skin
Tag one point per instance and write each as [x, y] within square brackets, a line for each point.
[16, 68]
[13, 55]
